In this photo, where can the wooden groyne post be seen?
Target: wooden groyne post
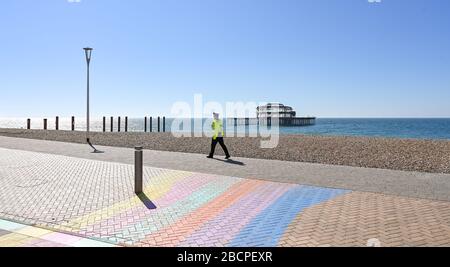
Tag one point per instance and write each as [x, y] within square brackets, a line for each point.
[45, 124]
[104, 124]
[118, 124]
[145, 124]
[164, 124]
[126, 124]
[57, 123]
[112, 124]
[73, 123]
[159, 124]
[151, 124]
[28, 124]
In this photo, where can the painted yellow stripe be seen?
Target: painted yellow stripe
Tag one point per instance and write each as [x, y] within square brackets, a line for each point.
[33, 231]
[14, 240]
[158, 186]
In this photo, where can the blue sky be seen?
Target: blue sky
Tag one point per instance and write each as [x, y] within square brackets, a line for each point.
[329, 58]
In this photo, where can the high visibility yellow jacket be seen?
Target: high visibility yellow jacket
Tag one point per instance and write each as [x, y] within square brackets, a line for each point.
[217, 128]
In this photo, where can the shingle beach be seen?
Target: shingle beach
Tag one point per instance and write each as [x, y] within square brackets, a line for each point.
[386, 153]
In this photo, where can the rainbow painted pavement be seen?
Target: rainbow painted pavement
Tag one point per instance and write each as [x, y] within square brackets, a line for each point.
[79, 202]
[189, 209]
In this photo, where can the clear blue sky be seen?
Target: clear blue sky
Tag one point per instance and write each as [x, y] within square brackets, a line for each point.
[338, 58]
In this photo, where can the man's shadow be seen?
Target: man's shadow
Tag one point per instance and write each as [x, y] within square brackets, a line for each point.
[147, 202]
[230, 161]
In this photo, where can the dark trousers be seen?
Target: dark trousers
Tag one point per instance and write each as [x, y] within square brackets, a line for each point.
[222, 144]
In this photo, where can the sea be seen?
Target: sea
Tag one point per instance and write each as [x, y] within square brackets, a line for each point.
[416, 128]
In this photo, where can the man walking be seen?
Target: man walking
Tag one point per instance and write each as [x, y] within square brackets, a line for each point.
[218, 137]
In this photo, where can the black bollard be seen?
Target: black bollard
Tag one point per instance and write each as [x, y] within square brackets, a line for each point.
[57, 123]
[126, 124]
[138, 169]
[104, 124]
[28, 124]
[45, 124]
[159, 124]
[118, 125]
[73, 123]
[151, 124]
[145, 124]
[112, 124]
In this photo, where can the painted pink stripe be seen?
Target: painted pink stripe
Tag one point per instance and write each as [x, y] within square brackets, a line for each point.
[61, 238]
[226, 225]
[31, 242]
[178, 191]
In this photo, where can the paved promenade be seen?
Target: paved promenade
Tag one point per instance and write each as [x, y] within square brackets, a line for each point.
[409, 184]
[64, 190]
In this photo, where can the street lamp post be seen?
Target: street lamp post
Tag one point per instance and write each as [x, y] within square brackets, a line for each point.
[88, 53]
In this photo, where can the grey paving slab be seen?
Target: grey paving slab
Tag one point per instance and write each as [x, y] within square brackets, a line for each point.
[410, 184]
[48, 189]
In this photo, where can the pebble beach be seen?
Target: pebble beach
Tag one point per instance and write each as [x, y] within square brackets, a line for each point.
[372, 152]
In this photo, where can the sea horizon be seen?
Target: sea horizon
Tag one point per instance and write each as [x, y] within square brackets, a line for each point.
[434, 128]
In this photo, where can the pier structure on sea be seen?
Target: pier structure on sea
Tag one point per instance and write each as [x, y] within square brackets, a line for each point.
[297, 121]
[274, 114]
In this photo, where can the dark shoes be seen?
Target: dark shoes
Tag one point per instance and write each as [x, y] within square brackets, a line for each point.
[211, 157]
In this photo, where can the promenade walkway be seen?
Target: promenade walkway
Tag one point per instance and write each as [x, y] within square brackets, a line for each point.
[409, 184]
[64, 189]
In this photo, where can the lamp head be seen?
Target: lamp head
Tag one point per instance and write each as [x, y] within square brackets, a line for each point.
[88, 52]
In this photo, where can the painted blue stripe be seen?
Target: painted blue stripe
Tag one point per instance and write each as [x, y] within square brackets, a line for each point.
[267, 227]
